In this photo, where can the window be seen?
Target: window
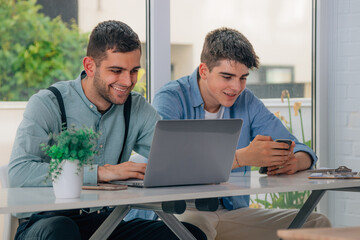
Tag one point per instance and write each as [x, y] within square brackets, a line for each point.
[45, 41]
[39, 48]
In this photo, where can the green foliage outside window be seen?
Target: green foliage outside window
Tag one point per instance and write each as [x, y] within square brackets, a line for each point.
[35, 51]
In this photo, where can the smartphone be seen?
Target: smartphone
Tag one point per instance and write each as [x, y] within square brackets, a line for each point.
[263, 170]
[105, 186]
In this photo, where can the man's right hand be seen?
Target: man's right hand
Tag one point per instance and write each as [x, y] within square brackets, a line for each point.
[263, 152]
[121, 171]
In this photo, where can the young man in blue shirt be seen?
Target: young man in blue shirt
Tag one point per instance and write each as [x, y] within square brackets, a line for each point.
[217, 90]
[96, 100]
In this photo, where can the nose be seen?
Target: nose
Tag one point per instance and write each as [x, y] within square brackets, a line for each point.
[125, 79]
[236, 85]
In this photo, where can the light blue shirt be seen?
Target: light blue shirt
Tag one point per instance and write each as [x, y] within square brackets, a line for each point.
[181, 99]
[29, 166]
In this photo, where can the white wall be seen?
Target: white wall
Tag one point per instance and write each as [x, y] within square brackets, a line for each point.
[132, 12]
[275, 28]
[338, 100]
[11, 114]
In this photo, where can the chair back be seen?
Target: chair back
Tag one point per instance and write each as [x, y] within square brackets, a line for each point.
[4, 176]
[10, 222]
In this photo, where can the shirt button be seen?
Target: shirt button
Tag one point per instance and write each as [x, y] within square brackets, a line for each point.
[101, 146]
[91, 106]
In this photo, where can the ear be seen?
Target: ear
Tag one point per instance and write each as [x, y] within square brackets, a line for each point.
[203, 71]
[89, 66]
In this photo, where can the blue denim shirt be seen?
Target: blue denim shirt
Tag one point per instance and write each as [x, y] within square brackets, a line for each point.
[181, 99]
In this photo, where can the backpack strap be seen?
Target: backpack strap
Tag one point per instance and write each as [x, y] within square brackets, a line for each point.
[61, 105]
[127, 110]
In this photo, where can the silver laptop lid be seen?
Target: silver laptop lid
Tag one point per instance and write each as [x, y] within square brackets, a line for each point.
[185, 152]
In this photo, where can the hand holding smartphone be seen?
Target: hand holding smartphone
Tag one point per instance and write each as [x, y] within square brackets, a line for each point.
[263, 170]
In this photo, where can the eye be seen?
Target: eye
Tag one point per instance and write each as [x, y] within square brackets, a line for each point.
[134, 71]
[226, 77]
[243, 79]
[116, 71]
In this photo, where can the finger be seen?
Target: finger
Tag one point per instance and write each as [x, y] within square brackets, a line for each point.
[262, 138]
[276, 166]
[277, 161]
[279, 170]
[291, 171]
[128, 175]
[280, 145]
[139, 169]
[273, 168]
[292, 146]
[290, 167]
[129, 163]
[136, 175]
[132, 166]
[278, 152]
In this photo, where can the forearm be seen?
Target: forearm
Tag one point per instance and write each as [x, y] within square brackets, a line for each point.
[304, 160]
[240, 159]
[35, 175]
[107, 173]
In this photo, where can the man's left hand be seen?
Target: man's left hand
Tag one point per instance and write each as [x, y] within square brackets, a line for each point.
[290, 167]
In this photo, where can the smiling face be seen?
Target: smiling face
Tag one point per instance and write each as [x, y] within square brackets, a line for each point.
[223, 84]
[113, 79]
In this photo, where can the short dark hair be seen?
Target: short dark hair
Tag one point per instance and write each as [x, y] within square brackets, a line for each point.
[227, 43]
[114, 35]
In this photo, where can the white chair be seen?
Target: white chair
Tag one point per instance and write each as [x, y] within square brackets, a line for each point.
[10, 222]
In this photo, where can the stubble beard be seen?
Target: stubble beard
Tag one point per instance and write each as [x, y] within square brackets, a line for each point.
[104, 91]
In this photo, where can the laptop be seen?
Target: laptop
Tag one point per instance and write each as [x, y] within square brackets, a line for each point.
[188, 152]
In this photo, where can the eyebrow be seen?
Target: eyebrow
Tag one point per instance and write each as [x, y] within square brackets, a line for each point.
[233, 75]
[121, 68]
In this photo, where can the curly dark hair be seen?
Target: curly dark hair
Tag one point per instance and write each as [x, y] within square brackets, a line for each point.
[114, 35]
[227, 43]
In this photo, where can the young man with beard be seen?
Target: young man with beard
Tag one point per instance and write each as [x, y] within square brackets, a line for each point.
[217, 90]
[96, 100]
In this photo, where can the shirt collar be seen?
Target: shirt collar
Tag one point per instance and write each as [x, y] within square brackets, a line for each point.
[196, 98]
[80, 91]
[78, 86]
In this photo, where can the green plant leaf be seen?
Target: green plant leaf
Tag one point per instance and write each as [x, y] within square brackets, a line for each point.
[70, 144]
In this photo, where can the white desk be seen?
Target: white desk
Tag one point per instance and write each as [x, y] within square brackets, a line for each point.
[18, 200]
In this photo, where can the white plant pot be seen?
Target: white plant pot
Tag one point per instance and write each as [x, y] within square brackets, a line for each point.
[69, 183]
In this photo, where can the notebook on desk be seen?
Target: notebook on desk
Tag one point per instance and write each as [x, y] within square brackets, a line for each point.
[188, 152]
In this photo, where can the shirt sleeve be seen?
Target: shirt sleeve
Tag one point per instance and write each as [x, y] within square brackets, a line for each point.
[147, 118]
[263, 122]
[29, 166]
[169, 105]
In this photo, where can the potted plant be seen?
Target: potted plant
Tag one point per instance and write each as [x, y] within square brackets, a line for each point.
[69, 151]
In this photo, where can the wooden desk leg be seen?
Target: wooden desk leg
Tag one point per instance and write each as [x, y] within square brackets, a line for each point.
[307, 209]
[175, 225]
[110, 223]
